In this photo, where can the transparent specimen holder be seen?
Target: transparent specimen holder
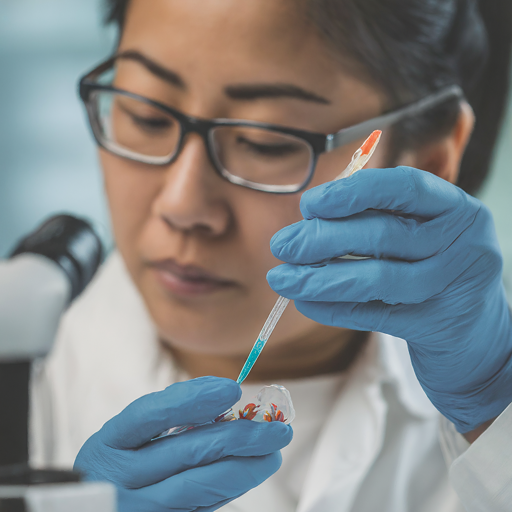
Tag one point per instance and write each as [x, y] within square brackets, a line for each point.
[272, 403]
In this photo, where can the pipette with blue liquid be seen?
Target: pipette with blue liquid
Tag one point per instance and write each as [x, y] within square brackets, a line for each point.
[359, 160]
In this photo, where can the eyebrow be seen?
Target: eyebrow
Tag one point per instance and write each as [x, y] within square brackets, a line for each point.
[242, 92]
[165, 74]
[250, 92]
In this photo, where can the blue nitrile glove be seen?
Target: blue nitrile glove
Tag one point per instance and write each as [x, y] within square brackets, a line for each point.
[202, 469]
[434, 280]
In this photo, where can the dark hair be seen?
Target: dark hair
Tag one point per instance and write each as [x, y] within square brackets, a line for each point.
[410, 48]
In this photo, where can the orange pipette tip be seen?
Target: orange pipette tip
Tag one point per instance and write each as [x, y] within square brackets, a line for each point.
[366, 148]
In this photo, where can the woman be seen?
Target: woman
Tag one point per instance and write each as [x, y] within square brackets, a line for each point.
[194, 204]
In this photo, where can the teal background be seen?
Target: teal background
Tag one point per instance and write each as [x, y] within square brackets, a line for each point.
[48, 160]
[497, 194]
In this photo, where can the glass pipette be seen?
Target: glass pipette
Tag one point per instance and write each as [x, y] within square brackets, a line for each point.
[359, 160]
[263, 337]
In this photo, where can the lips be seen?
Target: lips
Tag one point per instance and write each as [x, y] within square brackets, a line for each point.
[188, 280]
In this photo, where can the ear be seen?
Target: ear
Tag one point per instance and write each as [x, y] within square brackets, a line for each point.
[443, 157]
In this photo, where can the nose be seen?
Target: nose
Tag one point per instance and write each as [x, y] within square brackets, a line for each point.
[191, 199]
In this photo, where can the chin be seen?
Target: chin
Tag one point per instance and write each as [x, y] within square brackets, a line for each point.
[201, 343]
[207, 325]
[196, 333]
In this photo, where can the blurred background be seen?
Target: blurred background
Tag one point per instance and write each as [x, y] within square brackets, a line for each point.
[48, 160]
[47, 156]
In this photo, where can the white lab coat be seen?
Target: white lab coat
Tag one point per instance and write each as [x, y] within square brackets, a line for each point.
[380, 446]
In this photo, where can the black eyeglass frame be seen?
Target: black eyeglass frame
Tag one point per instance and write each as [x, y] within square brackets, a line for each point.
[318, 142]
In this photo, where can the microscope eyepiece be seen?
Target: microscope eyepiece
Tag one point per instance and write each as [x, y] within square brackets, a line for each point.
[71, 243]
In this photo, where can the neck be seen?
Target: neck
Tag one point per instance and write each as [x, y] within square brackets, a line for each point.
[333, 351]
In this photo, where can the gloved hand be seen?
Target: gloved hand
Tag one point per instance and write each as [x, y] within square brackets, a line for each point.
[199, 470]
[434, 280]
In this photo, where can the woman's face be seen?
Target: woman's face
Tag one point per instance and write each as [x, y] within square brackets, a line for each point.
[197, 246]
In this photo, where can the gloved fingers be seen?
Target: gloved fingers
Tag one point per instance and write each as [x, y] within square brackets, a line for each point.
[399, 320]
[207, 486]
[403, 189]
[163, 458]
[371, 316]
[371, 233]
[389, 281]
[192, 402]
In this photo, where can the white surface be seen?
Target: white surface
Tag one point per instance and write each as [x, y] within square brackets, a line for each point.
[83, 497]
[88, 497]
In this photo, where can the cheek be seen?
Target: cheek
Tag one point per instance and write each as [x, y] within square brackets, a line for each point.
[258, 223]
[261, 221]
[131, 191]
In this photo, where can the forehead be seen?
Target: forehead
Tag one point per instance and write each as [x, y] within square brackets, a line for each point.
[221, 21]
[263, 39]
[216, 43]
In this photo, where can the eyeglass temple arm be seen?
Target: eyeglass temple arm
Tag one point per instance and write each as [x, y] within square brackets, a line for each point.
[359, 131]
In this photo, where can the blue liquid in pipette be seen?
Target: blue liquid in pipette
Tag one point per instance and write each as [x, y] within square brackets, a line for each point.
[251, 359]
[263, 337]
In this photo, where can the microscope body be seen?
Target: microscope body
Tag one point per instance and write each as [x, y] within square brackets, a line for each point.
[34, 292]
[47, 271]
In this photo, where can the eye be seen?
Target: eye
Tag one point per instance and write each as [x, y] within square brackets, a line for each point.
[146, 119]
[151, 124]
[273, 150]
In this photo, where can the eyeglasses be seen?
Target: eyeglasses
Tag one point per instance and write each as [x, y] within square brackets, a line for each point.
[259, 156]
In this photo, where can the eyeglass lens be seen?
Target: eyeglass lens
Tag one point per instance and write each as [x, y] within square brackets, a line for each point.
[128, 124]
[261, 156]
[133, 128]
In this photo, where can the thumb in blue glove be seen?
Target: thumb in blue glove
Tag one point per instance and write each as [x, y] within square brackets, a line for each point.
[199, 470]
